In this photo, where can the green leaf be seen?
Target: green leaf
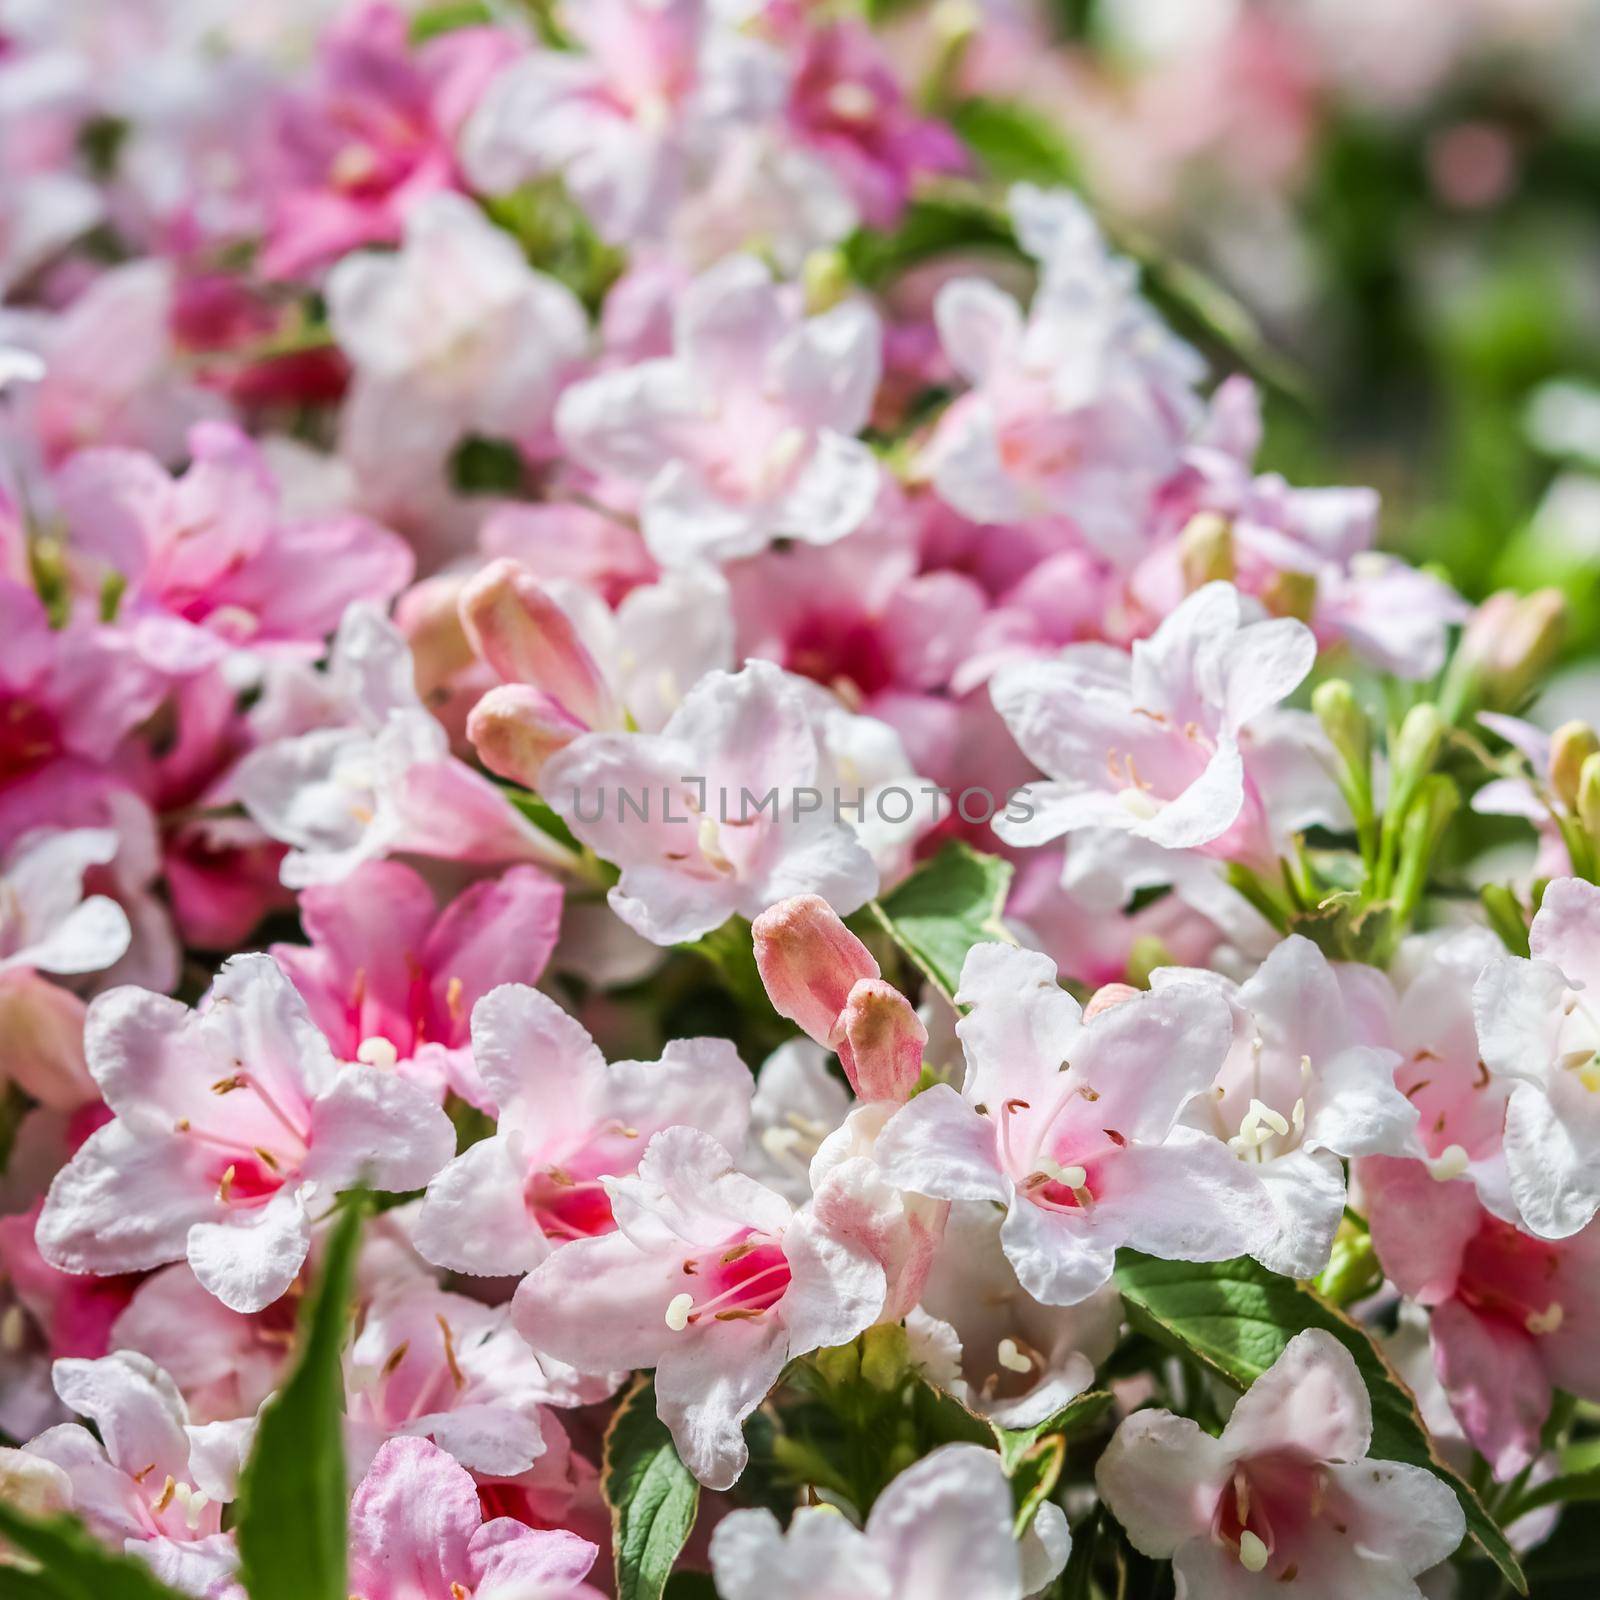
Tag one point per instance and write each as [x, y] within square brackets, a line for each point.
[481, 465]
[931, 227]
[1015, 142]
[1565, 1489]
[292, 1506]
[432, 21]
[946, 907]
[653, 1497]
[1235, 1317]
[74, 1564]
[1034, 1477]
[1078, 1414]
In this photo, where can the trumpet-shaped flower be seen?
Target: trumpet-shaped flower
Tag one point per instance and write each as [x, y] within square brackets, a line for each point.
[1539, 1030]
[1287, 1491]
[1076, 1128]
[567, 1123]
[390, 978]
[942, 1530]
[712, 1279]
[231, 1123]
[745, 434]
[417, 1532]
[730, 808]
[1155, 742]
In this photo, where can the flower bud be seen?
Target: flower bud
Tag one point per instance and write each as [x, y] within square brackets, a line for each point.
[825, 277]
[1571, 745]
[42, 1025]
[882, 1043]
[809, 962]
[1416, 748]
[1107, 996]
[1344, 722]
[1510, 644]
[1205, 548]
[1291, 594]
[1588, 799]
[516, 627]
[515, 729]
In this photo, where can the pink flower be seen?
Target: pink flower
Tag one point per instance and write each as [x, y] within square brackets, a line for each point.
[712, 1279]
[371, 134]
[360, 770]
[47, 923]
[1286, 1490]
[1157, 742]
[1075, 1129]
[848, 106]
[818, 974]
[1300, 1088]
[231, 1123]
[152, 1482]
[566, 1122]
[391, 979]
[1076, 413]
[210, 562]
[652, 84]
[1539, 1032]
[980, 1336]
[746, 433]
[738, 790]
[942, 1530]
[417, 1533]
[432, 1365]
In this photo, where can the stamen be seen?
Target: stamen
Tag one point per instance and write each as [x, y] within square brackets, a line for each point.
[1451, 1162]
[225, 1188]
[377, 1052]
[1252, 1552]
[678, 1309]
[456, 1375]
[13, 1329]
[1547, 1321]
[1011, 1358]
[164, 1499]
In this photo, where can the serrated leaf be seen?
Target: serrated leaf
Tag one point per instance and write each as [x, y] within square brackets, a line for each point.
[1034, 1477]
[1074, 1417]
[1235, 1318]
[293, 1504]
[653, 1497]
[944, 908]
[74, 1565]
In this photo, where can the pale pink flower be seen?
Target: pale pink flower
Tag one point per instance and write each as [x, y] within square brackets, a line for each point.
[1300, 1089]
[653, 85]
[47, 922]
[391, 978]
[798, 1102]
[359, 770]
[1157, 741]
[942, 1530]
[566, 1121]
[152, 1482]
[209, 563]
[746, 433]
[1288, 1489]
[979, 1335]
[1076, 1129]
[712, 1279]
[738, 792]
[232, 1123]
[417, 1532]
[1538, 1031]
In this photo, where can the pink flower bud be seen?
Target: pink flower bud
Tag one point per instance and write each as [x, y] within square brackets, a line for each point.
[42, 1025]
[809, 962]
[1107, 996]
[515, 729]
[525, 637]
[882, 1044]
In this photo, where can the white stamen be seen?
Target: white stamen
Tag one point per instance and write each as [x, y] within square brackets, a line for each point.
[1273, 1119]
[1252, 1552]
[678, 1309]
[194, 1503]
[1011, 1358]
[710, 841]
[377, 1052]
[1451, 1162]
[1070, 1177]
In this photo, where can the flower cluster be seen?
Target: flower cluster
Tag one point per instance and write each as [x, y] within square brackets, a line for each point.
[636, 670]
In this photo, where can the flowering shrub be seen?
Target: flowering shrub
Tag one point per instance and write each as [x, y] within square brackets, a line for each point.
[702, 893]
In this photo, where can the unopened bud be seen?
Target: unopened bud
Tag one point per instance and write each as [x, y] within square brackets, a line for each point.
[516, 729]
[1291, 594]
[1344, 722]
[1416, 748]
[825, 280]
[1107, 996]
[517, 628]
[809, 962]
[429, 615]
[1511, 642]
[882, 1044]
[1205, 547]
[1588, 801]
[1571, 745]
